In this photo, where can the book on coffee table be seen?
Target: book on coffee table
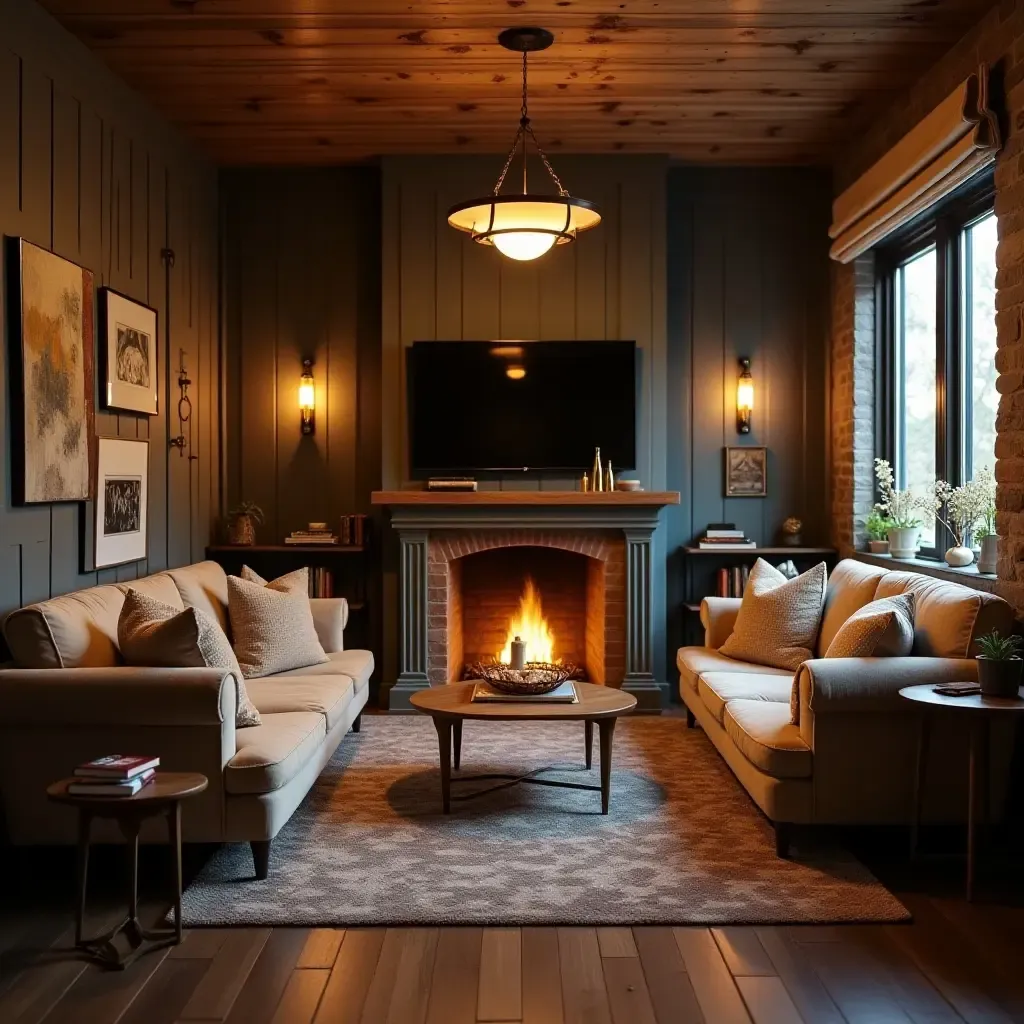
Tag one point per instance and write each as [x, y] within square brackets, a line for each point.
[484, 693]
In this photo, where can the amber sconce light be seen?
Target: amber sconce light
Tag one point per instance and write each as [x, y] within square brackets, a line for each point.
[744, 397]
[307, 397]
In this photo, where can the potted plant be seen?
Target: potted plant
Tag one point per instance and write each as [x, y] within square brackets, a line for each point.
[960, 509]
[999, 664]
[242, 522]
[901, 508]
[877, 526]
[985, 534]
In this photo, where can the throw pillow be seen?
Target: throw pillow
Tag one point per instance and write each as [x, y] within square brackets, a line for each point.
[295, 582]
[273, 630]
[150, 632]
[778, 618]
[881, 629]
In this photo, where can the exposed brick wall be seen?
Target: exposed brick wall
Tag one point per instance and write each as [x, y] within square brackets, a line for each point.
[998, 39]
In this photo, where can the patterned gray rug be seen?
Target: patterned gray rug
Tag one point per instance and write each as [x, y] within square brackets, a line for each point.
[682, 845]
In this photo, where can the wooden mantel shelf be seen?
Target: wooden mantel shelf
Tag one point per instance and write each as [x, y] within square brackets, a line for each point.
[563, 498]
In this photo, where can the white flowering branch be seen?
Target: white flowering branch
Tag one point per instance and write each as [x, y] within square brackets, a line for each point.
[965, 506]
[902, 508]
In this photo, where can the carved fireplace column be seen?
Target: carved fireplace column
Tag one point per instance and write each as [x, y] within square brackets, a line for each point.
[412, 617]
[639, 679]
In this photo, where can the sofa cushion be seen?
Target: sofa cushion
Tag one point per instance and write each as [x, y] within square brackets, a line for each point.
[716, 689]
[204, 586]
[881, 629]
[356, 664]
[692, 662]
[326, 695]
[270, 755]
[766, 737]
[948, 617]
[294, 582]
[778, 620]
[851, 585]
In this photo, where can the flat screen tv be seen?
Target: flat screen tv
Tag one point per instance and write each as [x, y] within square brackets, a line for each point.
[504, 407]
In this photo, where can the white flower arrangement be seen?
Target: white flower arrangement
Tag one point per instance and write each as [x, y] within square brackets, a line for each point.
[901, 508]
[966, 506]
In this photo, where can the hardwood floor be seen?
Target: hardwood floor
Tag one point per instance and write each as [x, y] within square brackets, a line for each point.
[956, 962]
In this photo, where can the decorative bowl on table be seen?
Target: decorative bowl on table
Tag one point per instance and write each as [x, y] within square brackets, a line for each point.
[536, 677]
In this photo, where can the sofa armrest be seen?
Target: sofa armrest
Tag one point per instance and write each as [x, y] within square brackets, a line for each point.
[838, 685]
[718, 616]
[330, 617]
[120, 695]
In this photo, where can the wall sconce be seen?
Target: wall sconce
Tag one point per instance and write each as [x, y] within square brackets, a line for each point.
[307, 397]
[744, 397]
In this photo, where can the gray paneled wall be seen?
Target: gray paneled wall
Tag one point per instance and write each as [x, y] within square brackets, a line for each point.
[87, 170]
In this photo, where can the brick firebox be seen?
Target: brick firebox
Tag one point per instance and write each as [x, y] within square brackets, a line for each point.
[581, 581]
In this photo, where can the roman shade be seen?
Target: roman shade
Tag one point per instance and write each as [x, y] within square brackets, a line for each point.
[956, 140]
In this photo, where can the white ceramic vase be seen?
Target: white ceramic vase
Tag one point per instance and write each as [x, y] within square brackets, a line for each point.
[903, 541]
[989, 554]
[958, 556]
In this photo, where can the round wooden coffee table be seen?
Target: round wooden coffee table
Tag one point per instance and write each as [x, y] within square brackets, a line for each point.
[162, 796]
[449, 706]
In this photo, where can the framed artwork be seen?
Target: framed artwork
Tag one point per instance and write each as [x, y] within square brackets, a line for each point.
[122, 493]
[746, 472]
[128, 345]
[51, 348]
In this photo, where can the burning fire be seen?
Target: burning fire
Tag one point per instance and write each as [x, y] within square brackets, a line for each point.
[531, 626]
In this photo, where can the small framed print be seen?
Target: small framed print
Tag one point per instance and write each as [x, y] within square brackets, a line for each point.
[122, 501]
[128, 344]
[746, 472]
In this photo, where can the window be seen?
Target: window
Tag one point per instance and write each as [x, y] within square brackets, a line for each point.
[936, 336]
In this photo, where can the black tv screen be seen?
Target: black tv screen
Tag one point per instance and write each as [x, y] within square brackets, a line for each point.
[502, 406]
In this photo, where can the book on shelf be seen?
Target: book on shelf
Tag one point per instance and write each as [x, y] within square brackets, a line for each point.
[484, 693]
[352, 530]
[117, 767]
[720, 545]
[321, 582]
[730, 534]
[308, 538]
[732, 582]
[112, 787]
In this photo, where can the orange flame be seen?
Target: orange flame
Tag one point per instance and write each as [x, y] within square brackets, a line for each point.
[531, 626]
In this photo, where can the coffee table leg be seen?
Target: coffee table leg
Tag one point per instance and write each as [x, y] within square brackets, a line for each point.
[444, 743]
[977, 750]
[919, 775]
[174, 825]
[606, 726]
[84, 827]
[457, 743]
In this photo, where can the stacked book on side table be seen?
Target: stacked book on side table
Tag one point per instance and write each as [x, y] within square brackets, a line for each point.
[316, 533]
[114, 775]
[724, 537]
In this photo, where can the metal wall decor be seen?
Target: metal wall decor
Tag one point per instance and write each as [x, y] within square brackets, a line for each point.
[181, 442]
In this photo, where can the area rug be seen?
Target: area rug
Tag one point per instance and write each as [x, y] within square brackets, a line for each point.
[682, 843]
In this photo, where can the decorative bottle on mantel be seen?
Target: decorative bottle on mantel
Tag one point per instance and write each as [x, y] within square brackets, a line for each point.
[597, 478]
[609, 478]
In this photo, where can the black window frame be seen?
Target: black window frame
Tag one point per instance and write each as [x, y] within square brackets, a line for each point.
[943, 228]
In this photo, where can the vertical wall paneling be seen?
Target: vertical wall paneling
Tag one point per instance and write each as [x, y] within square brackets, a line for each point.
[84, 167]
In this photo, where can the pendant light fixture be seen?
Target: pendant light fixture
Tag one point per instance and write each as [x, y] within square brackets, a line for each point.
[524, 226]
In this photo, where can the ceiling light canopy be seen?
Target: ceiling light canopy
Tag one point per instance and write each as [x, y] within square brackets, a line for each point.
[520, 225]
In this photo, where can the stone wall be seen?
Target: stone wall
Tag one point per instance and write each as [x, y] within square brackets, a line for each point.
[998, 39]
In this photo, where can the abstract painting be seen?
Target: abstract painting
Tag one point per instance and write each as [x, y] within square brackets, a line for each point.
[746, 472]
[52, 375]
[129, 350]
[122, 479]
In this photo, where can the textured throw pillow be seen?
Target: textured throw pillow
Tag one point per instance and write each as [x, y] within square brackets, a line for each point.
[273, 631]
[295, 582]
[778, 619]
[150, 632]
[881, 629]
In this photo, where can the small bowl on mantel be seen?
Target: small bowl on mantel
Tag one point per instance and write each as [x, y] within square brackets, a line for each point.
[628, 485]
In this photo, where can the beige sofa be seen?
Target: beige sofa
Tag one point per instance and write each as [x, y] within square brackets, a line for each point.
[851, 757]
[71, 699]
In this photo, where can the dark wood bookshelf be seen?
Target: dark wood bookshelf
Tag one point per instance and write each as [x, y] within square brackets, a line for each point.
[320, 549]
[755, 552]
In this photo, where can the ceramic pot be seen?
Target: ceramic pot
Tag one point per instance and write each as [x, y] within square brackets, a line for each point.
[999, 678]
[242, 531]
[959, 556]
[878, 547]
[903, 541]
[989, 553]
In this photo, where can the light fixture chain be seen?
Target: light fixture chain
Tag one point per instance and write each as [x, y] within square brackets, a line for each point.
[508, 161]
[523, 110]
[562, 190]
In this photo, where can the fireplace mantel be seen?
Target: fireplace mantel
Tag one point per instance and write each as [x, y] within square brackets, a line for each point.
[575, 498]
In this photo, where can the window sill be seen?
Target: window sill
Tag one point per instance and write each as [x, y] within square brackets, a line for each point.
[968, 575]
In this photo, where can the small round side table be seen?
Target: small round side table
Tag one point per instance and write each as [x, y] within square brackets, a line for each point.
[981, 711]
[162, 796]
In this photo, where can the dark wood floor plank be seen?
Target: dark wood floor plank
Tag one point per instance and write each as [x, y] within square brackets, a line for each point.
[345, 993]
[500, 988]
[542, 991]
[200, 943]
[802, 983]
[743, 953]
[453, 987]
[301, 996]
[716, 991]
[219, 987]
[671, 991]
[616, 942]
[382, 983]
[269, 976]
[584, 997]
[411, 992]
[167, 992]
[321, 949]
[767, 1000]
[627, 990]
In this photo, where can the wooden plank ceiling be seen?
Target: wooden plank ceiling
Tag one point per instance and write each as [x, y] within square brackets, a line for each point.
[332, 81]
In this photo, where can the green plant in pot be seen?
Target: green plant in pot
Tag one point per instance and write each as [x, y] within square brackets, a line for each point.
[999, 664]
[877, 526]
[242, 522]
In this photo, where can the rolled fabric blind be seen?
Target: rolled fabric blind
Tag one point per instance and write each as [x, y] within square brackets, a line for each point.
[955, 141]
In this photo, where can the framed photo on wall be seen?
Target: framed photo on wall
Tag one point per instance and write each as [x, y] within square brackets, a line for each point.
[122, 501]
[128, 344]
[51, 375]
[746, 472]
